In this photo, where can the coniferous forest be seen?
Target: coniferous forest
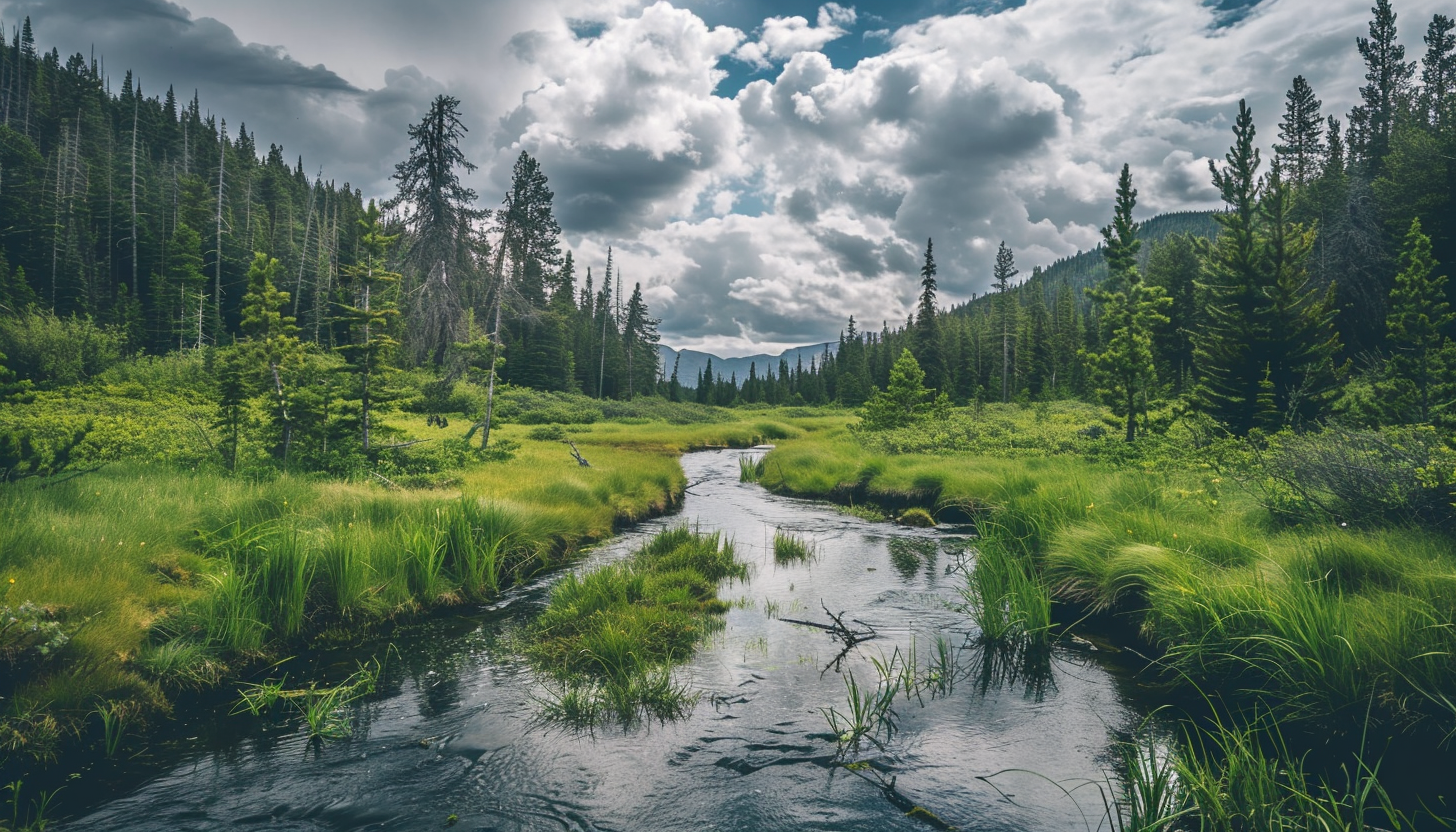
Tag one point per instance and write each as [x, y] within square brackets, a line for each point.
[249, 413]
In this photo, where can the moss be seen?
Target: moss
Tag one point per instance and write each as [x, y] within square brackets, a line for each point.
[917, 518]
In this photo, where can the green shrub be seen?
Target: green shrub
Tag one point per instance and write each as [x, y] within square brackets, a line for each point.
[52, 351]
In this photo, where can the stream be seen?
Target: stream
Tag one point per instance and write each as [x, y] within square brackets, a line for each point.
[453, 737]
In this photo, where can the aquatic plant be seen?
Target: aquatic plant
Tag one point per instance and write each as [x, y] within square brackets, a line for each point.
[750, 469]
[869, 716]
[609, 638]
[791, 548]
[113, 725]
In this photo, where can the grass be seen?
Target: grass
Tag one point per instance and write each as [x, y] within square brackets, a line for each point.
[1311, 622]
[791, 548]
[162, 574]
[609, 638]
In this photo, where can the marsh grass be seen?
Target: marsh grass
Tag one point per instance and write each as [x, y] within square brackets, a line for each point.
[1313, 622]
[791, 548]
[750, 469]
[868, 717]
[609, 638]
[322, 708]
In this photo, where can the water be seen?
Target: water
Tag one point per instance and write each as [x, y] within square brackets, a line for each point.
[454, 738]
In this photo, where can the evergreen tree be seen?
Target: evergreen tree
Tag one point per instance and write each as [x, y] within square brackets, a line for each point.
[1301, 149]
[270, 342]
[1006, 312]
[1438, 73]
[639, 344]
[1228, 364]
[903, 400]
[1388, 76]
[440, 249]
[369, 319]
[1130, 308]
[1423, 360]
[927, 334]
[1298, 319]
[1173, 265]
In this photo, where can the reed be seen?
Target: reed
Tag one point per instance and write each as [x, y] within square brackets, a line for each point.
[791, 548]
[609, 638]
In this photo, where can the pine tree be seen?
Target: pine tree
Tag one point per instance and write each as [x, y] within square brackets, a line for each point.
[271, 342]
[1130, 308]
[1301, 149]
[1388, 76]
[369, 320]
[1438, 73]
[1298, 318]
[441, 245]
[927, 333]
[1173, 265]
[1423, 360]
[1006, 312]
[902, 401]
[1227, 364]
[639, 344]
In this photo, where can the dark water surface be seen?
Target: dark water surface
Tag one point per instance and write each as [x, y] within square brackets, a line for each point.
[455, 728]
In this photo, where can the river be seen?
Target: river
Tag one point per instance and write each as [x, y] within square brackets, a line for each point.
[453, 738]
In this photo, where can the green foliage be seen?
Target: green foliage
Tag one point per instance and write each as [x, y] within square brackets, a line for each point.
[903, 401]
[609, 638]
[1422, 368]
[1269, 332]
[791, 548]
[50, 351]
[1130, 309]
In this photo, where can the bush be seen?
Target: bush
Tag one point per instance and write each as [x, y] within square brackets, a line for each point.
[1358, 477]
[52, 351]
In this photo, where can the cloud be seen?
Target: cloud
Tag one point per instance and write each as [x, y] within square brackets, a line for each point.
[626, 123]
[973, 129]
[782, 38]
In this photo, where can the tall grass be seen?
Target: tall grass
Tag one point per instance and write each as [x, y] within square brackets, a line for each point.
[1312, 622]
[609, 637]
[791, 548]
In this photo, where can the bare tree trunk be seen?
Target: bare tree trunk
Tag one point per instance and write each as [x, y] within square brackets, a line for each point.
[134, 286]
[59, 155]
[282, 413]
[217, 271]
[303, 254]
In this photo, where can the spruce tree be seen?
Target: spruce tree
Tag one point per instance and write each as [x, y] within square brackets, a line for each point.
[439, 213]
[1422, 365]
[1006, 312]
[1438, 73]
[1388, 85]
[1300, 147]
[369, 320]
[1123, 371]
[1298, 318]
[903, 400]
[270, 343]
[1228, 366]
[927, 333]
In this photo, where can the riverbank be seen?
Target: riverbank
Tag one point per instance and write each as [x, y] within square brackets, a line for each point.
[1344, 628]
[143, 578]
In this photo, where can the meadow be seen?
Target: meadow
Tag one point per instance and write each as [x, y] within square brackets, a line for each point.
[144, 570]
[1236, 587]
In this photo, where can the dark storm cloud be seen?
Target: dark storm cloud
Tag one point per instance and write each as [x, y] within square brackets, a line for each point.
[853, 253]
[604, 189]
[174, 47]
[800, 206]
[353, 135]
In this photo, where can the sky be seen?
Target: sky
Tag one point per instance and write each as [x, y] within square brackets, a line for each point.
[763, 169]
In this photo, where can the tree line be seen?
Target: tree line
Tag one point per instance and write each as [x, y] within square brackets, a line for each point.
[1317, 293]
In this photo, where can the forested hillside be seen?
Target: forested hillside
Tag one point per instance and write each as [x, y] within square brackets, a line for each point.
[135, 217]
